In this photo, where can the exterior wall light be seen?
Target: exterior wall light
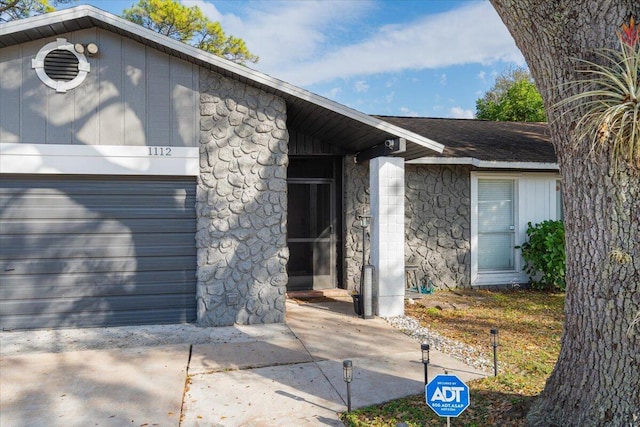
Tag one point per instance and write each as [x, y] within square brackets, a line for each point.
[92, 48]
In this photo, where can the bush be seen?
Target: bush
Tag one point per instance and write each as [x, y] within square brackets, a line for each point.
[544, 255]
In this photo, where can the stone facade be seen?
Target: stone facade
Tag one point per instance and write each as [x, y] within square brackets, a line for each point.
[438, 224]
[241, 204]
[356, 199]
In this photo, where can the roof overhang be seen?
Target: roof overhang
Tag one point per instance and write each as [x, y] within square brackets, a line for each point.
[309, 113]
[484, 164]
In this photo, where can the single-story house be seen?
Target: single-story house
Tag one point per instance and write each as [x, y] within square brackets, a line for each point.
[145, 181]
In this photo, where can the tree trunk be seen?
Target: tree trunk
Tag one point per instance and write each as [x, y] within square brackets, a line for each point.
[596, 381]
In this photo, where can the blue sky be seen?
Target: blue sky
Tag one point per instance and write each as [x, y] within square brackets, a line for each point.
[428, 58]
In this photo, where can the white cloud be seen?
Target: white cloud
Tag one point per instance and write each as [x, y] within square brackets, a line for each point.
[470, 34]
[361, 86]
[286, 33]
[481, 75]
[302, 42]
[443, 79]
[461, 113]
[207, 8]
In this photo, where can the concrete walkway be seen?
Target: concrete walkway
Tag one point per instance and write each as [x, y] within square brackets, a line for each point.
[284, 375]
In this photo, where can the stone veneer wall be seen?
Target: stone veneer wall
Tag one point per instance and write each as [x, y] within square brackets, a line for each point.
[356, 201]
[438, 223]
[241, 204]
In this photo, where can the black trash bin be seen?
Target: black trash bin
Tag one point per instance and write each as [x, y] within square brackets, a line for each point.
[357, 304]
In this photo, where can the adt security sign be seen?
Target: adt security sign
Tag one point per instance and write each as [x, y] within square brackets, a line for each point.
[447, 395]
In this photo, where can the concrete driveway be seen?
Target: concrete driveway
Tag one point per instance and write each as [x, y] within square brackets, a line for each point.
[284, 375]
[138, 386]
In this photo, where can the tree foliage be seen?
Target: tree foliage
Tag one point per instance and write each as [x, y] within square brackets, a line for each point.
[11, 10]
[544, 254]
[513, 98]
[189, 25]
[612, 100]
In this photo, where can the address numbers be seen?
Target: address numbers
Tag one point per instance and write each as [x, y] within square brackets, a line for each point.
[160, 151]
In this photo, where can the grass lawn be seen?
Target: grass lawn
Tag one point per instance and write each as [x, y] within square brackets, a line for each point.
[530, 326]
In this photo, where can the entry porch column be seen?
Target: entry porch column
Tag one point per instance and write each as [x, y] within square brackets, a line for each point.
[386, 180]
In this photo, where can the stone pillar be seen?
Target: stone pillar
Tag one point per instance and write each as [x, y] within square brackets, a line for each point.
[241, 204]
[356, 202]
[386, 178]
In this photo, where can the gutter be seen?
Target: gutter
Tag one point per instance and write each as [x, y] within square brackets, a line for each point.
[484, 164]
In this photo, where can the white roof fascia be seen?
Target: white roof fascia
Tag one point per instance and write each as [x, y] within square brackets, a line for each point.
[488, 164]
[243, 71]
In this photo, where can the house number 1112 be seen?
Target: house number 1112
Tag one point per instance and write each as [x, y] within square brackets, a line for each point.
[160, 151]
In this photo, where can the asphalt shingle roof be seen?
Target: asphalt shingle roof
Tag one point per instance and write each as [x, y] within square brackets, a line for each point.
[483, 139]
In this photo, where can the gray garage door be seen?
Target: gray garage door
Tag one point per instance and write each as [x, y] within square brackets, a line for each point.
[96, 251]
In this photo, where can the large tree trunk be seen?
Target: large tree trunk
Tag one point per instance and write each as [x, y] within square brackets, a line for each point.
[596, 380]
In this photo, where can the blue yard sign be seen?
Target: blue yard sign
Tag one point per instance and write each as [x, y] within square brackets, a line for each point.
[447, 395]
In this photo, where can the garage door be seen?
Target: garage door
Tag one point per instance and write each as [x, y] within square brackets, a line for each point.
[98, 251]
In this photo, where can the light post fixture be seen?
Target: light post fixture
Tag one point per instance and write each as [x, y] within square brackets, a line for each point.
[347, 372]
[364, 223]
[495, 343]
[366, 272]
[424, 347]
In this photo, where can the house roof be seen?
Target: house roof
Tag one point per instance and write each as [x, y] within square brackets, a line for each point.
[483, 143]
[308, 113]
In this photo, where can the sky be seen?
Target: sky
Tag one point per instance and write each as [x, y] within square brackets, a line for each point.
[427, 58]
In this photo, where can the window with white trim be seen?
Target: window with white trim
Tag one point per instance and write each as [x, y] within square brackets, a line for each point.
[496, 224]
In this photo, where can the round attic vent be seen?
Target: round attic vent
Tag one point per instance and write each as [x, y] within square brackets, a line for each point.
[59, 66]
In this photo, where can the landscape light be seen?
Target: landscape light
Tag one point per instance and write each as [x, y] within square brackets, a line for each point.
[424, 347]
[347, 372]
[495, 343]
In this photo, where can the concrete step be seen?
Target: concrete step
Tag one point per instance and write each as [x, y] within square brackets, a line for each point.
[326, 293]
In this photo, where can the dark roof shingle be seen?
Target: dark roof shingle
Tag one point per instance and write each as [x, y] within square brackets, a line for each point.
[483, 139]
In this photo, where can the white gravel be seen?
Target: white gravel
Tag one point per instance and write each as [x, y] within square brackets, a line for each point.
[463, 352]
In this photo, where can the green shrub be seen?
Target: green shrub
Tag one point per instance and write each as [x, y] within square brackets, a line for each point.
[544, 255]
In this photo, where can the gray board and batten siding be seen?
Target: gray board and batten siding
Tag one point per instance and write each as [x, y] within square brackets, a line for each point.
[133, 95]
[96, 251]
